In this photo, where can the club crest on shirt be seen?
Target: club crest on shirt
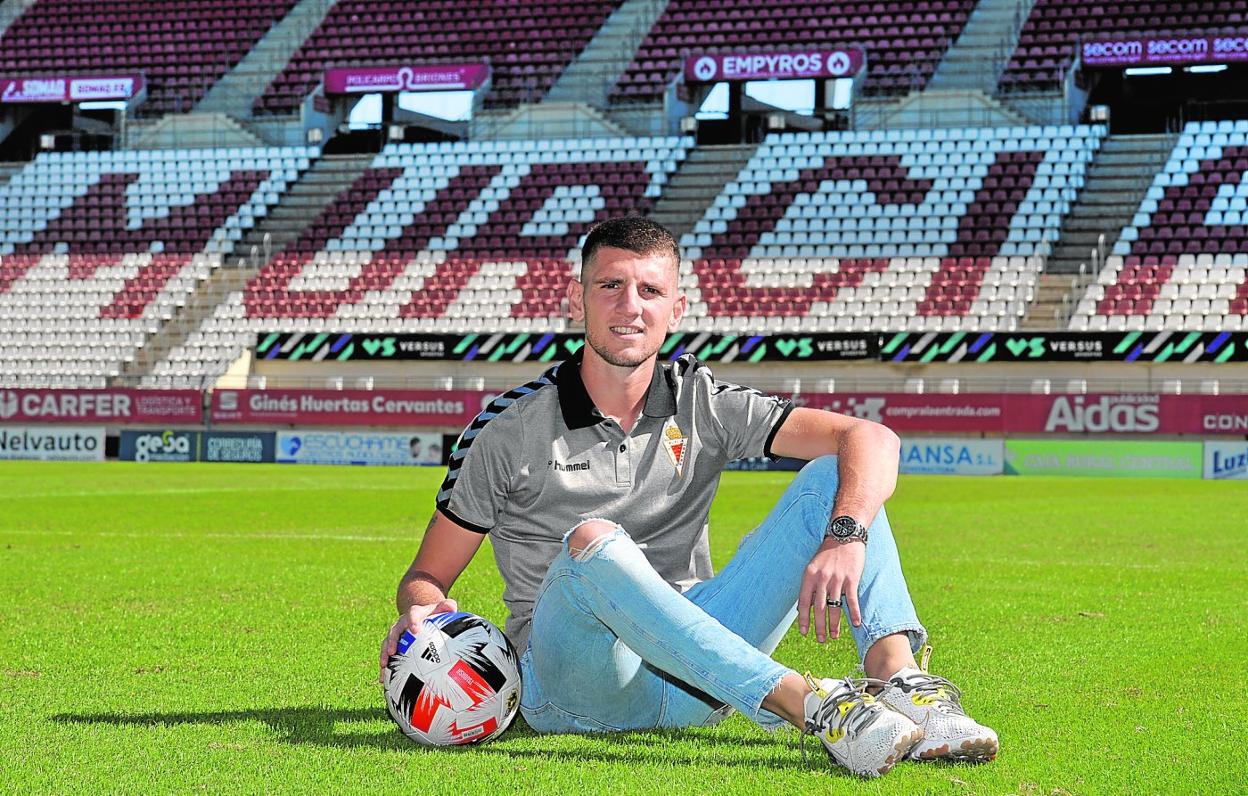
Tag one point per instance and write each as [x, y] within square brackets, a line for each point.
[677, 446]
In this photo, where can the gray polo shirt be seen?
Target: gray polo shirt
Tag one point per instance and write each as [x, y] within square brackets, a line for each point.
[541, 458]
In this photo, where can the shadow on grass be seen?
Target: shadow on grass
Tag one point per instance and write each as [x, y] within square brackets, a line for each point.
[317, 726]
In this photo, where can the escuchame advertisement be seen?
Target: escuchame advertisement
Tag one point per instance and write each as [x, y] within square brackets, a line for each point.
[1103, 458]
[117, 406]
[351, 447]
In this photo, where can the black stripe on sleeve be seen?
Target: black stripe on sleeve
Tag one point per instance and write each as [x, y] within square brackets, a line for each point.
[788, 409]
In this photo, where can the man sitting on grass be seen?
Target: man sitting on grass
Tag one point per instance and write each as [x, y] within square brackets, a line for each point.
[595, 482]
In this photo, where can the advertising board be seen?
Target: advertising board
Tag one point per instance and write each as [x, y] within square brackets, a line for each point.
[238, 446]
[952, 456]
[383, 407]
[112, 406]
[1103, 458]
[819, 62]
[59, 443]
[363, 448]
[159, 446]
[1226, 460]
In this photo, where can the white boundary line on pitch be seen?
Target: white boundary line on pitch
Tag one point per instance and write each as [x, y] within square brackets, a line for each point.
[277, 536]
[203, 490]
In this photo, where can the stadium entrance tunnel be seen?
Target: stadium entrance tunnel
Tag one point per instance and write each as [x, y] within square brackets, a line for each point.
[1160, 100]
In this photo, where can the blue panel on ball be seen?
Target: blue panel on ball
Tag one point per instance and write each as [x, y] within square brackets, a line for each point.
[442, 620]
[405, 641]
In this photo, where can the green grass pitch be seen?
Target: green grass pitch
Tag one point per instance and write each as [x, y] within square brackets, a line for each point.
[185, 627]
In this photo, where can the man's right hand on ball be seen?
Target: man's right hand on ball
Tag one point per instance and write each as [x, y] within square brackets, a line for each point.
[415, 617]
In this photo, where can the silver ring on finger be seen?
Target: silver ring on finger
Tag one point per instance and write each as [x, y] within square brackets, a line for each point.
[834, 603]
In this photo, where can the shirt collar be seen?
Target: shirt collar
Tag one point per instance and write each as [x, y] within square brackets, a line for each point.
[579, 410]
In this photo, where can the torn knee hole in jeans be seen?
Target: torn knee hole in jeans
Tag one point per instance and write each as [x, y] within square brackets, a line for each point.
[587, 552]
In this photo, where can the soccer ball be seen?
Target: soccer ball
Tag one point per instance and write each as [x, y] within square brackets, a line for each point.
[455, 682]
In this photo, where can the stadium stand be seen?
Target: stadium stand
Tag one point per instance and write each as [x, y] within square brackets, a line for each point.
[904, 41]
[182, 48]
[97, 249]
[1048, 40]
[527, 44]
[438, 237]
[887, 230]
[1182, 262]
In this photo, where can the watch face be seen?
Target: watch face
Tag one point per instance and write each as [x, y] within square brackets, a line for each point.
[844, 527]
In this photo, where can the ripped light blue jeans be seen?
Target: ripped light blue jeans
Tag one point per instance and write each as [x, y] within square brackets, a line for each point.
[614, 647]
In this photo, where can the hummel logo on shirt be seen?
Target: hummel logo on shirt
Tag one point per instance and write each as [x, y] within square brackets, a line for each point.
[564, 467]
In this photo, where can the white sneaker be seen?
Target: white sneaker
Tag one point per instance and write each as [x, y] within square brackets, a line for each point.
[935, 705]
[856, 729]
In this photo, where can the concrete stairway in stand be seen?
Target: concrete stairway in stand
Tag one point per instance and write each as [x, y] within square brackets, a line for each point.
[1054, 302]
[235, 92]
[1116, 183]
[301, 204]
[7, 170]
[189, 131]
[186, 319]
[10, 10]
[694, 186]
[597, 69]
[977, 58]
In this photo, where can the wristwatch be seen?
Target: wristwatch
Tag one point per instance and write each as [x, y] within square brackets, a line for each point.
[845, 529]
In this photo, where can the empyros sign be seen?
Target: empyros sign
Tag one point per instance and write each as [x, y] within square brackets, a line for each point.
[791, 65]
[64, 444]
[348, 407]
[1165, 51]
[116, 406]
[23, 90]
[393, 79]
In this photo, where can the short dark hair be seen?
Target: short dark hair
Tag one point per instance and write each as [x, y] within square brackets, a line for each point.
[631, 233]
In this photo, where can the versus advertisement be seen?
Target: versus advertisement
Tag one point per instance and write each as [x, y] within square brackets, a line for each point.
[921, 347]
[550, 347]
[382, 407]
[112, 406]
[1101, 458]
[1226, 460]
[347, 447]
[952, 456]
[59, 444]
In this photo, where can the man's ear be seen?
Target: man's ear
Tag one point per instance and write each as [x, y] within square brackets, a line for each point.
[678, 311]
[576, 300]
